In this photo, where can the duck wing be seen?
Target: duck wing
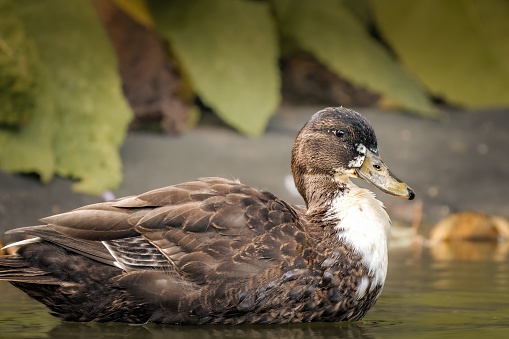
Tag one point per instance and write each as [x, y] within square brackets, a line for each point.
[208, 230]
[91, 249]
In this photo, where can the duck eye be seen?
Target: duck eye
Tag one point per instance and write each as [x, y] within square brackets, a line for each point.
[339, 133]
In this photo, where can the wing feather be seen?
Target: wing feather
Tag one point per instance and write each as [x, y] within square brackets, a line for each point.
[203, 231]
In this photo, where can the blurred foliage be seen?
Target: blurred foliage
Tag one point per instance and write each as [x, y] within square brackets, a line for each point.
[17, 66]
[79, 115]
[137, 9]
[458, 49]
[62, 111]
[229, 51]
[343, 44]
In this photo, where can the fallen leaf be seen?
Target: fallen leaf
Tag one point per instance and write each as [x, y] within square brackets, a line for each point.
[468, 226]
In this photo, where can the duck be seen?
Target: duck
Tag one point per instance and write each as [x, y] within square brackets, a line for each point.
[216, 251]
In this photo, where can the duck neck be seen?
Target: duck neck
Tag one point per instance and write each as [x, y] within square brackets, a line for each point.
[319, 191]
[356, 218]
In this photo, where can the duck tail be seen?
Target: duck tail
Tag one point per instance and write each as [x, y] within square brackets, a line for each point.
[15, 268]
[72, 286]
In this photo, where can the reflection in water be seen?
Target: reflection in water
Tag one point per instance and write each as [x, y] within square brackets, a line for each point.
[470, 250]
[314, 330]
[453, 263]
[457, 290]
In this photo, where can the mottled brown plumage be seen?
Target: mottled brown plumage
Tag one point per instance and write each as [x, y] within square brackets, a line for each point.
[211, 250]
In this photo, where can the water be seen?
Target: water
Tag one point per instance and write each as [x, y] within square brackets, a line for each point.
[459, 291]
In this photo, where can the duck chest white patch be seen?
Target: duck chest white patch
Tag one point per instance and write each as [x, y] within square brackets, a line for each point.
[364, 225]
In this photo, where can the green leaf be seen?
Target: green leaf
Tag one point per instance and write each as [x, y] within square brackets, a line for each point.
[30, 149]
[458, 49]
[360, 9]
[80, 116]
[17, 55]
[328, 30]
[228, 50]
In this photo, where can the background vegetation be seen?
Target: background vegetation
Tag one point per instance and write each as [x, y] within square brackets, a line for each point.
[63, 65]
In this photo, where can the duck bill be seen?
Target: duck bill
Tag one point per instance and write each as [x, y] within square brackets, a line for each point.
[375, 171]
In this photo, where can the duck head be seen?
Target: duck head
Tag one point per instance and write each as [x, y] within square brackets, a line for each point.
[337, 144]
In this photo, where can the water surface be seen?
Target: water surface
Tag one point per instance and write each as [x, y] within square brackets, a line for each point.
[448, 291]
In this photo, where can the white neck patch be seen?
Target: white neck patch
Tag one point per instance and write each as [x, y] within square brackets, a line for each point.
[365, 226]
[359, 159]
